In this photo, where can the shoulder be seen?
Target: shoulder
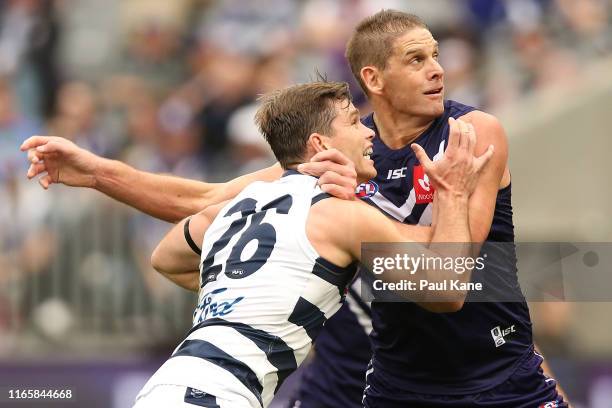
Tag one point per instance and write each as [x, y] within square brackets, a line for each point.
[335, 209]
[483, 120]
[489, 130]
[355, 216]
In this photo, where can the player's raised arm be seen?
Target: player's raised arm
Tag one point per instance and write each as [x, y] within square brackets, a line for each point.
[495, 176]
[177, 256]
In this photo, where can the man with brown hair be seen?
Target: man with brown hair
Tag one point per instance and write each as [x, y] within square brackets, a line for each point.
[481, 355]
[276, 259]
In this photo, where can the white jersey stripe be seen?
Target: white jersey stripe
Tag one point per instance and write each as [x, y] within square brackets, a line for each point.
[228, 339]
[202, 375]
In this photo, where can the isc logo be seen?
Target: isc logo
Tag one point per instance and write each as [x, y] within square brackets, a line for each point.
[366, 190]
[498, 335]
[395, 174]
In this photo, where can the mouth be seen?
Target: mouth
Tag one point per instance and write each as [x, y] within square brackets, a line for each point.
[368, 153]
[435, 91]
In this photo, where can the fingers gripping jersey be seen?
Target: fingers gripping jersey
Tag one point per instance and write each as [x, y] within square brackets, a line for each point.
[265, 294]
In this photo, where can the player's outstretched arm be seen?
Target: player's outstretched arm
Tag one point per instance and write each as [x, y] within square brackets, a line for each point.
[177, 255]
[58, 160]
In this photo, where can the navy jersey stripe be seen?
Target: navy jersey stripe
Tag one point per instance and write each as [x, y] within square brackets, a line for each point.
[319, 197]
[362, 305]
[334, 274]
[308, 316]
[279, 354]
[211, 353]
[281, 204]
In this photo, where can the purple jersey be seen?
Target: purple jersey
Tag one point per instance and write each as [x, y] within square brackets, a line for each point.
[445, 353]
[414, 349]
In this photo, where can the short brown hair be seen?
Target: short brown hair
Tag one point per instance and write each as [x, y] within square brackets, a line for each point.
[287, 117]
[372, 41]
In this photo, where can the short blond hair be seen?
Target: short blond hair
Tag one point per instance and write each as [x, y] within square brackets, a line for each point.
[371, 43]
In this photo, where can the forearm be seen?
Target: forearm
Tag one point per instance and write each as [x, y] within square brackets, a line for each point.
[161, 196]
[186, 280]
[452, 219]
[416, 263]
[451, 239]
[167, 197]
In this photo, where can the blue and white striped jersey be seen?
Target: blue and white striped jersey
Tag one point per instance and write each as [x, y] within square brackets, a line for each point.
[265, 295]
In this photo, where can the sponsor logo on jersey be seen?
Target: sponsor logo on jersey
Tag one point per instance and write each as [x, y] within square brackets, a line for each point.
[423, 190]
[395, 174]
[498, 335]
[366, 190]
[208, 307]
[550, 404]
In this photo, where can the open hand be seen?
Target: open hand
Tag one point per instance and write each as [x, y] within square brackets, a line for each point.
[59, 160]
[458, 170]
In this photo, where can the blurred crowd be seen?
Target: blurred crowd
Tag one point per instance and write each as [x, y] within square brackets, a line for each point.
[172, 86]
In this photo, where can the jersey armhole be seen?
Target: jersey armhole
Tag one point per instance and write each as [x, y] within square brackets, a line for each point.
[334, 272]
[319, 197]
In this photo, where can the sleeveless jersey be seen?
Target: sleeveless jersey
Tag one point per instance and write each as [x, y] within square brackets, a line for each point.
[265, 295]
[444, 353]
[335, 377]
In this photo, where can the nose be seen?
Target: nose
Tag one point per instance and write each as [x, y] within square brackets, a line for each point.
[436, 72]
[369, 133]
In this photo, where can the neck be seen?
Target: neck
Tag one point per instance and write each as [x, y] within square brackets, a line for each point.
[398, 129]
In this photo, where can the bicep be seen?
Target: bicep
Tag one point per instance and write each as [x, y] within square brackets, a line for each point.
[374, 226]
[175, 253]
[482, 202]
[199, 223]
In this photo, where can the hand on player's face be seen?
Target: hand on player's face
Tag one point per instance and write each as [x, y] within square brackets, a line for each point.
[58, 160]
[458, 170]
[336, 173]
[346, 160]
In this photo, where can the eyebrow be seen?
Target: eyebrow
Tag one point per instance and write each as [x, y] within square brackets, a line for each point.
[353, 113]
[415, 50]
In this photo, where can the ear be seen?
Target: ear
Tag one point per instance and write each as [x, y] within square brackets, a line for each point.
[318, 142]
[373, 79]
